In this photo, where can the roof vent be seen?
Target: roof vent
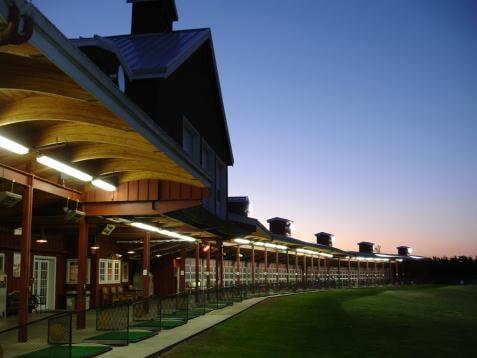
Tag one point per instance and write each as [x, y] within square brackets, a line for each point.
[323, 238]
[239, 205]
[152, 16]
[404, 250]
[365, 246]
[280, 226]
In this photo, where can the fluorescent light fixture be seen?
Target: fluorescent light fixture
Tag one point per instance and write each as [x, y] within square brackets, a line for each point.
[61, 167]
[162, 231]
[131, 252]
[103, 185]
[281, 247]
[41, 241]
[270, 245]
[242, 241]
[95, 247]
[259, 243]
[158, 255]
[12, 146]
[144, 226]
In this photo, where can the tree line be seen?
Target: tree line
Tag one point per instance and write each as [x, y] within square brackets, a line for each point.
[445, 270]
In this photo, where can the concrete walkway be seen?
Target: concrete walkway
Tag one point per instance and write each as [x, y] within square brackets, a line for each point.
[168, 338]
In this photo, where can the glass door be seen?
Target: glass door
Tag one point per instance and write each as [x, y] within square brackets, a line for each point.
[41, 270]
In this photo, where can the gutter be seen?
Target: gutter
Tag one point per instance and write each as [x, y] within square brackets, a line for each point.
[57, 48]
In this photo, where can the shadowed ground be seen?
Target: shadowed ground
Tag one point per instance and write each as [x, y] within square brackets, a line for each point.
[417, 321]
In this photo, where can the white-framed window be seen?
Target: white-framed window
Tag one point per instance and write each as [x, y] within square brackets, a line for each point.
[190, 140]
[72, 271]
[109, 271]
[2, 262]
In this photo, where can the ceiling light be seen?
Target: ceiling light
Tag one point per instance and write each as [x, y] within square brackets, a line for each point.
[41, 241]
[95, 247]
[258, 243]
[131, 252]
[162, 231]
[144, 226]
[12, 146]
[61, 167]
[242, 241]
[103, 185]
[158, 255]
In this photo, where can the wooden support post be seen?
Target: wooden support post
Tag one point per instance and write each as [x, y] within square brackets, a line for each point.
[197, 266]
[366, 276]
[304, 276]
[237, 273]
[266, 268]
[146, 263]
[207, 263]
[220, 263]
[296, 268]
[25, 249]
[182, 283]
[82, 267]
[397, 272]
[288, 268]
[384, 272]
[358, 276]
[339, 272]
[319, 270]
[349, 272]
[313, 277]
[277, 268]
[375, 272]
[253, 268]
[327, 272]
[391, 273]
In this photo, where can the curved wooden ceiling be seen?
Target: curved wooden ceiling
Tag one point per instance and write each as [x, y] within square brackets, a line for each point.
[45, 110]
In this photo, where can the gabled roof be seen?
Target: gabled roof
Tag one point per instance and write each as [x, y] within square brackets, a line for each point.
[150, 55]
[158, 55]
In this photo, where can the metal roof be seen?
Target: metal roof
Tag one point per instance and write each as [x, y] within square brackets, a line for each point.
[155, 55]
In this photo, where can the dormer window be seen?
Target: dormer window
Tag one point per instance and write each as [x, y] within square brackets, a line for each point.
[190, 140]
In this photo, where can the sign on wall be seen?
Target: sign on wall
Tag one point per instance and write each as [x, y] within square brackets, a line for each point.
[16, 264]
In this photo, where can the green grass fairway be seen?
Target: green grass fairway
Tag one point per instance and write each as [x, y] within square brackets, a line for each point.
[77, 351]
[418, 321]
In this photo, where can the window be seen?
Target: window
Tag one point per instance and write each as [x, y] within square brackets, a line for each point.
[72, 271]
[2, 262]
[208, 159]
[109, 271]
[190, 140]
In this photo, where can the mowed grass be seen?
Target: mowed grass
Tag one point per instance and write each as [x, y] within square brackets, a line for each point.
[413, 321]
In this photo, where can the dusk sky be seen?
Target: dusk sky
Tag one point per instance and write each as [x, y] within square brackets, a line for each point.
[354, 118]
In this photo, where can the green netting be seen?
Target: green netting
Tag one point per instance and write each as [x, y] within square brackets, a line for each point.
[77, 351]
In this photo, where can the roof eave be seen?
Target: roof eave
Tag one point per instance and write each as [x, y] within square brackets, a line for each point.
[55, 46]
